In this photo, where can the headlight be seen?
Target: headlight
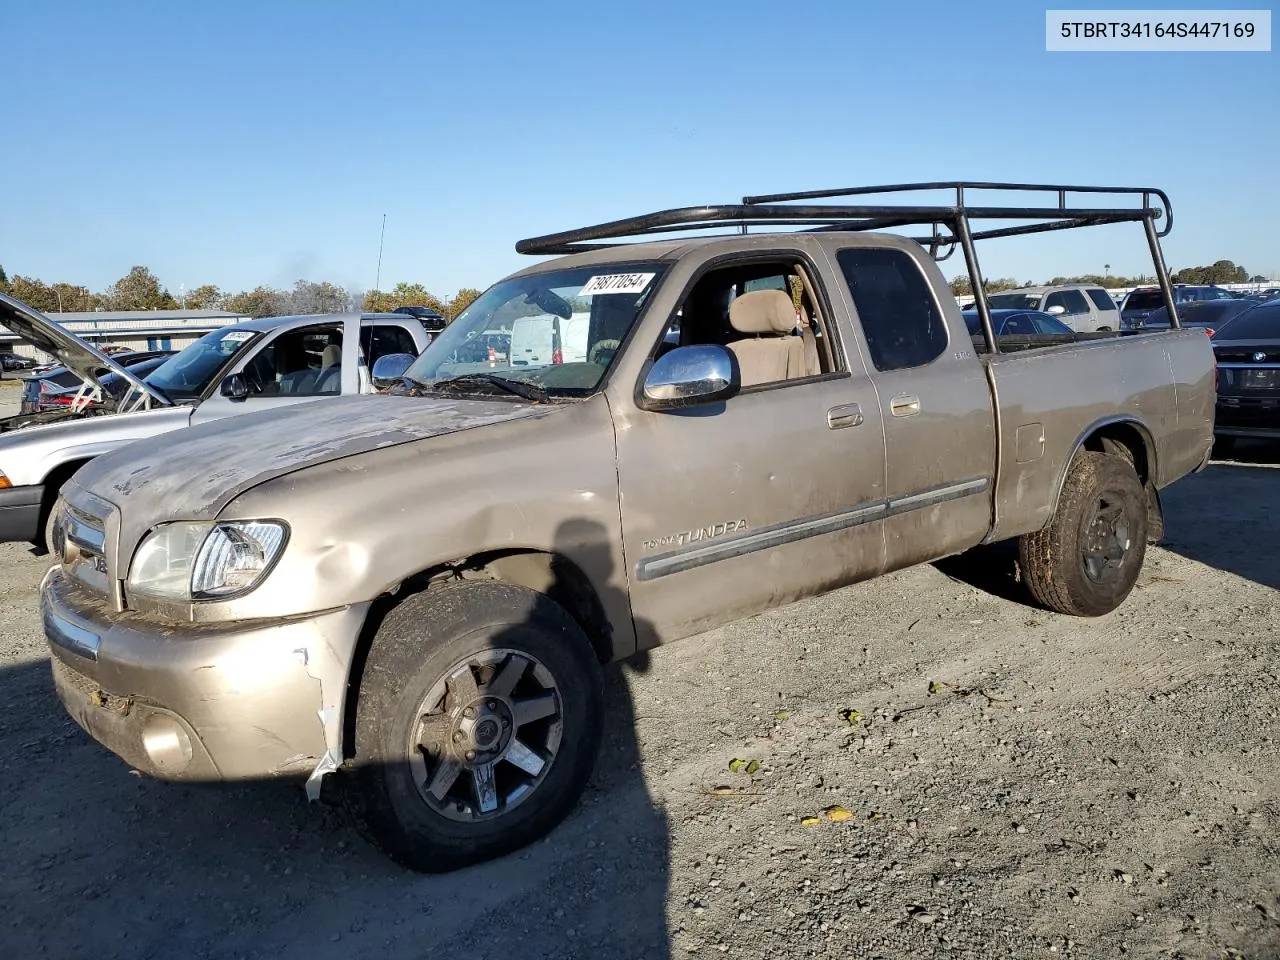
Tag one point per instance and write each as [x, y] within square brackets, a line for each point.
[205, 561]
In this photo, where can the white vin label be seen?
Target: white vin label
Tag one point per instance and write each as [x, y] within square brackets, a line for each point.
[616, 283]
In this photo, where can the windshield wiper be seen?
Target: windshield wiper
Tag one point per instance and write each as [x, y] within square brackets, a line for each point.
[521, 388]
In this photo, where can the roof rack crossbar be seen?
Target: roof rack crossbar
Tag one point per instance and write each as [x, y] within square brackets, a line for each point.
[1060, 191]
[833, 216]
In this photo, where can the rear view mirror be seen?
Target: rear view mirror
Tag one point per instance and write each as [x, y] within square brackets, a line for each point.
[689, 377]
[234, 387]
[389, 369]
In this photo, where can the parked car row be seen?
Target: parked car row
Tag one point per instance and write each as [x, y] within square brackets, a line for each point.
[1247, 350]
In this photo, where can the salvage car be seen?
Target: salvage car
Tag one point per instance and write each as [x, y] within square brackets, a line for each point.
[56, 377]
[1208, 315]
[406, 600]
[1247, 349]
[1015, 323]
[1142, 303]
[256, 365]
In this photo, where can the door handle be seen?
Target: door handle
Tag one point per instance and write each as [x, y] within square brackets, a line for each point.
[845, 415]
[904, 405]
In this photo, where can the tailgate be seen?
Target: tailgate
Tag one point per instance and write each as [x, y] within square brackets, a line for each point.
[1049, 401]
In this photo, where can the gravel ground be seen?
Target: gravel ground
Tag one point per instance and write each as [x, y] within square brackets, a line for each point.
[1018, 784]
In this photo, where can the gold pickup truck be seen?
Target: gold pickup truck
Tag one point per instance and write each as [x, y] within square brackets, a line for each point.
[408, 598]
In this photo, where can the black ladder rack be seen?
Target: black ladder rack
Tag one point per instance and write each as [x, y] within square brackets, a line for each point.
[949, 223]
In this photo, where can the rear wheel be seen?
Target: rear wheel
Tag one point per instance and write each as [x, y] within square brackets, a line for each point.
[477, 725]
[1086, 561]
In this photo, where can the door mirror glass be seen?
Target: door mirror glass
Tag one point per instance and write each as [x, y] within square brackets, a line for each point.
[234, 387]
[690, 376]
[388, 369]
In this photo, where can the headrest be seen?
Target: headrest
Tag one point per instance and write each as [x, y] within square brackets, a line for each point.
[330, 356]
[763, 311]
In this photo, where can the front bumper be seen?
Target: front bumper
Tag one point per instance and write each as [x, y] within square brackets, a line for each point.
[20, 513]
[241, 701]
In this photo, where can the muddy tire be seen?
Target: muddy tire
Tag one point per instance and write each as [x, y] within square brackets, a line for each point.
[1086, 561]
[477, 725]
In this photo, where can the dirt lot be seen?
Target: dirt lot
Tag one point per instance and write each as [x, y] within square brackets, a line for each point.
[1020, 784]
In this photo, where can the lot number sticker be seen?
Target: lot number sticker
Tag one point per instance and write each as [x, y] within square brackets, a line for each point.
[238, 336]
[617, 283]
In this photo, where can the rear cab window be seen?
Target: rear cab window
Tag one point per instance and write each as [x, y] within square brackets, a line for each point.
[901, 321]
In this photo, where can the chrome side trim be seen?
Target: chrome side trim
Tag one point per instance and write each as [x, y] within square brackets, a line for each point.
[775, 535]
[72, 637]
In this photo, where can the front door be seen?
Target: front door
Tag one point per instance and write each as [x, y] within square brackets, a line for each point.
[757, 501]
[291, 366]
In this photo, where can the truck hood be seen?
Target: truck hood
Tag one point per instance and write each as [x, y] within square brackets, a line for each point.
[78, 356]
[158, 479]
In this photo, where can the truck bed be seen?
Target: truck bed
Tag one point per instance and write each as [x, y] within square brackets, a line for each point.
[1048, 399]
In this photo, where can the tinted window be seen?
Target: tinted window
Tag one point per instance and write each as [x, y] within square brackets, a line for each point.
[1101, 299]
[900, 319]
[1144, 300]
[1260, 323]
[1017, 325]
[382, 340]
[1071, 301]
[1047, 324]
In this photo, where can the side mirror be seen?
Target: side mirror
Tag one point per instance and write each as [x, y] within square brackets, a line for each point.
[234, 387]
[1056, 310]
[689, 377]
[388, 369]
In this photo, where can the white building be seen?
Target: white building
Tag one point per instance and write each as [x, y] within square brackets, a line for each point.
[135, 329]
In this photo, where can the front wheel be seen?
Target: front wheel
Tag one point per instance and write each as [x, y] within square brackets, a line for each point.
[477, 724]
[1086, 561]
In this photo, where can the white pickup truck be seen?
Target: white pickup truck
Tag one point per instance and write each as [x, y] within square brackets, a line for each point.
[251, 366]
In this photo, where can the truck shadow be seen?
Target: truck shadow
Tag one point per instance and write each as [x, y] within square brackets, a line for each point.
[101, 861]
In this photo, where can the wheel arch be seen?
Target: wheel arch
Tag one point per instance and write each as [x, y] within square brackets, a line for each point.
[544, 571]
[1130, 438]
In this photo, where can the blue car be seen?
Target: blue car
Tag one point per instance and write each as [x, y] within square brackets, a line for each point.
[1016, 323]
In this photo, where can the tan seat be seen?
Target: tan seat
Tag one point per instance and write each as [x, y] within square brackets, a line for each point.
[771, 351]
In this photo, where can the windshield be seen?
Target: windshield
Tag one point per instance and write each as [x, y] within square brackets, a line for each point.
[186, 375]
[556, 332]
[1014, 301]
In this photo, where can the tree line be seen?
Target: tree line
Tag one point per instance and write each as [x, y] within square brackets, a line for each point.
[140, 289]
[1222, 271]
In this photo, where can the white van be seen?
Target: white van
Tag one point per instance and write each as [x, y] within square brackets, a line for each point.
[534, 340]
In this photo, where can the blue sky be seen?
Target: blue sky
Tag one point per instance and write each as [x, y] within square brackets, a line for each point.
[244, 143]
